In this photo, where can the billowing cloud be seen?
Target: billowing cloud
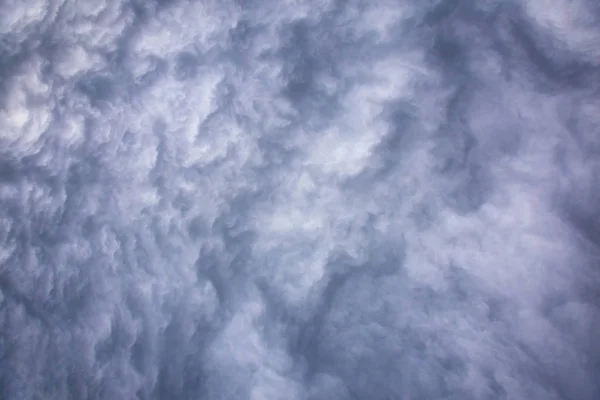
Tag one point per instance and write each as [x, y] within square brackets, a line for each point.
[299, 200]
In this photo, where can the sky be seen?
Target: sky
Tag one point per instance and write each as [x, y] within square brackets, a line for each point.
[299, 199]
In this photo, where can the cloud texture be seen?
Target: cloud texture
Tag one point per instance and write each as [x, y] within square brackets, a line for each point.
[299, 200]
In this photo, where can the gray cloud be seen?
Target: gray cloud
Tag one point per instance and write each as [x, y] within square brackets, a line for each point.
[313, 200]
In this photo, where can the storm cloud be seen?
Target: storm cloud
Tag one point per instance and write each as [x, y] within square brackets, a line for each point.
[299, 200]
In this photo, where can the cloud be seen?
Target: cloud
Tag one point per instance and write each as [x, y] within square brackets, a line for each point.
[298, 200]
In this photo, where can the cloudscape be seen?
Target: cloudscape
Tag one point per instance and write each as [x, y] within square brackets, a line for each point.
[299, 199]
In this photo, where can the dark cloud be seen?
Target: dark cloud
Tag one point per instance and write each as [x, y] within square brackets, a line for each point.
[317, 200]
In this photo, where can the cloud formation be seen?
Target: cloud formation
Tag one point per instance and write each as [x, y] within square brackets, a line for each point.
[299, 200]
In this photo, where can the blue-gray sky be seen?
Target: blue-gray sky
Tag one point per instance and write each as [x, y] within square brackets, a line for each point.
[299, 200]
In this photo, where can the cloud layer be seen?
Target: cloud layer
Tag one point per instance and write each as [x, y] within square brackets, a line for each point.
[299, 200]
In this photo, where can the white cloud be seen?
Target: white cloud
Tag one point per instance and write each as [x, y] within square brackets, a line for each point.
[296, 200]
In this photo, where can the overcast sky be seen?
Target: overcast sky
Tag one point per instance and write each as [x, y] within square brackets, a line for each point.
[299, 200]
